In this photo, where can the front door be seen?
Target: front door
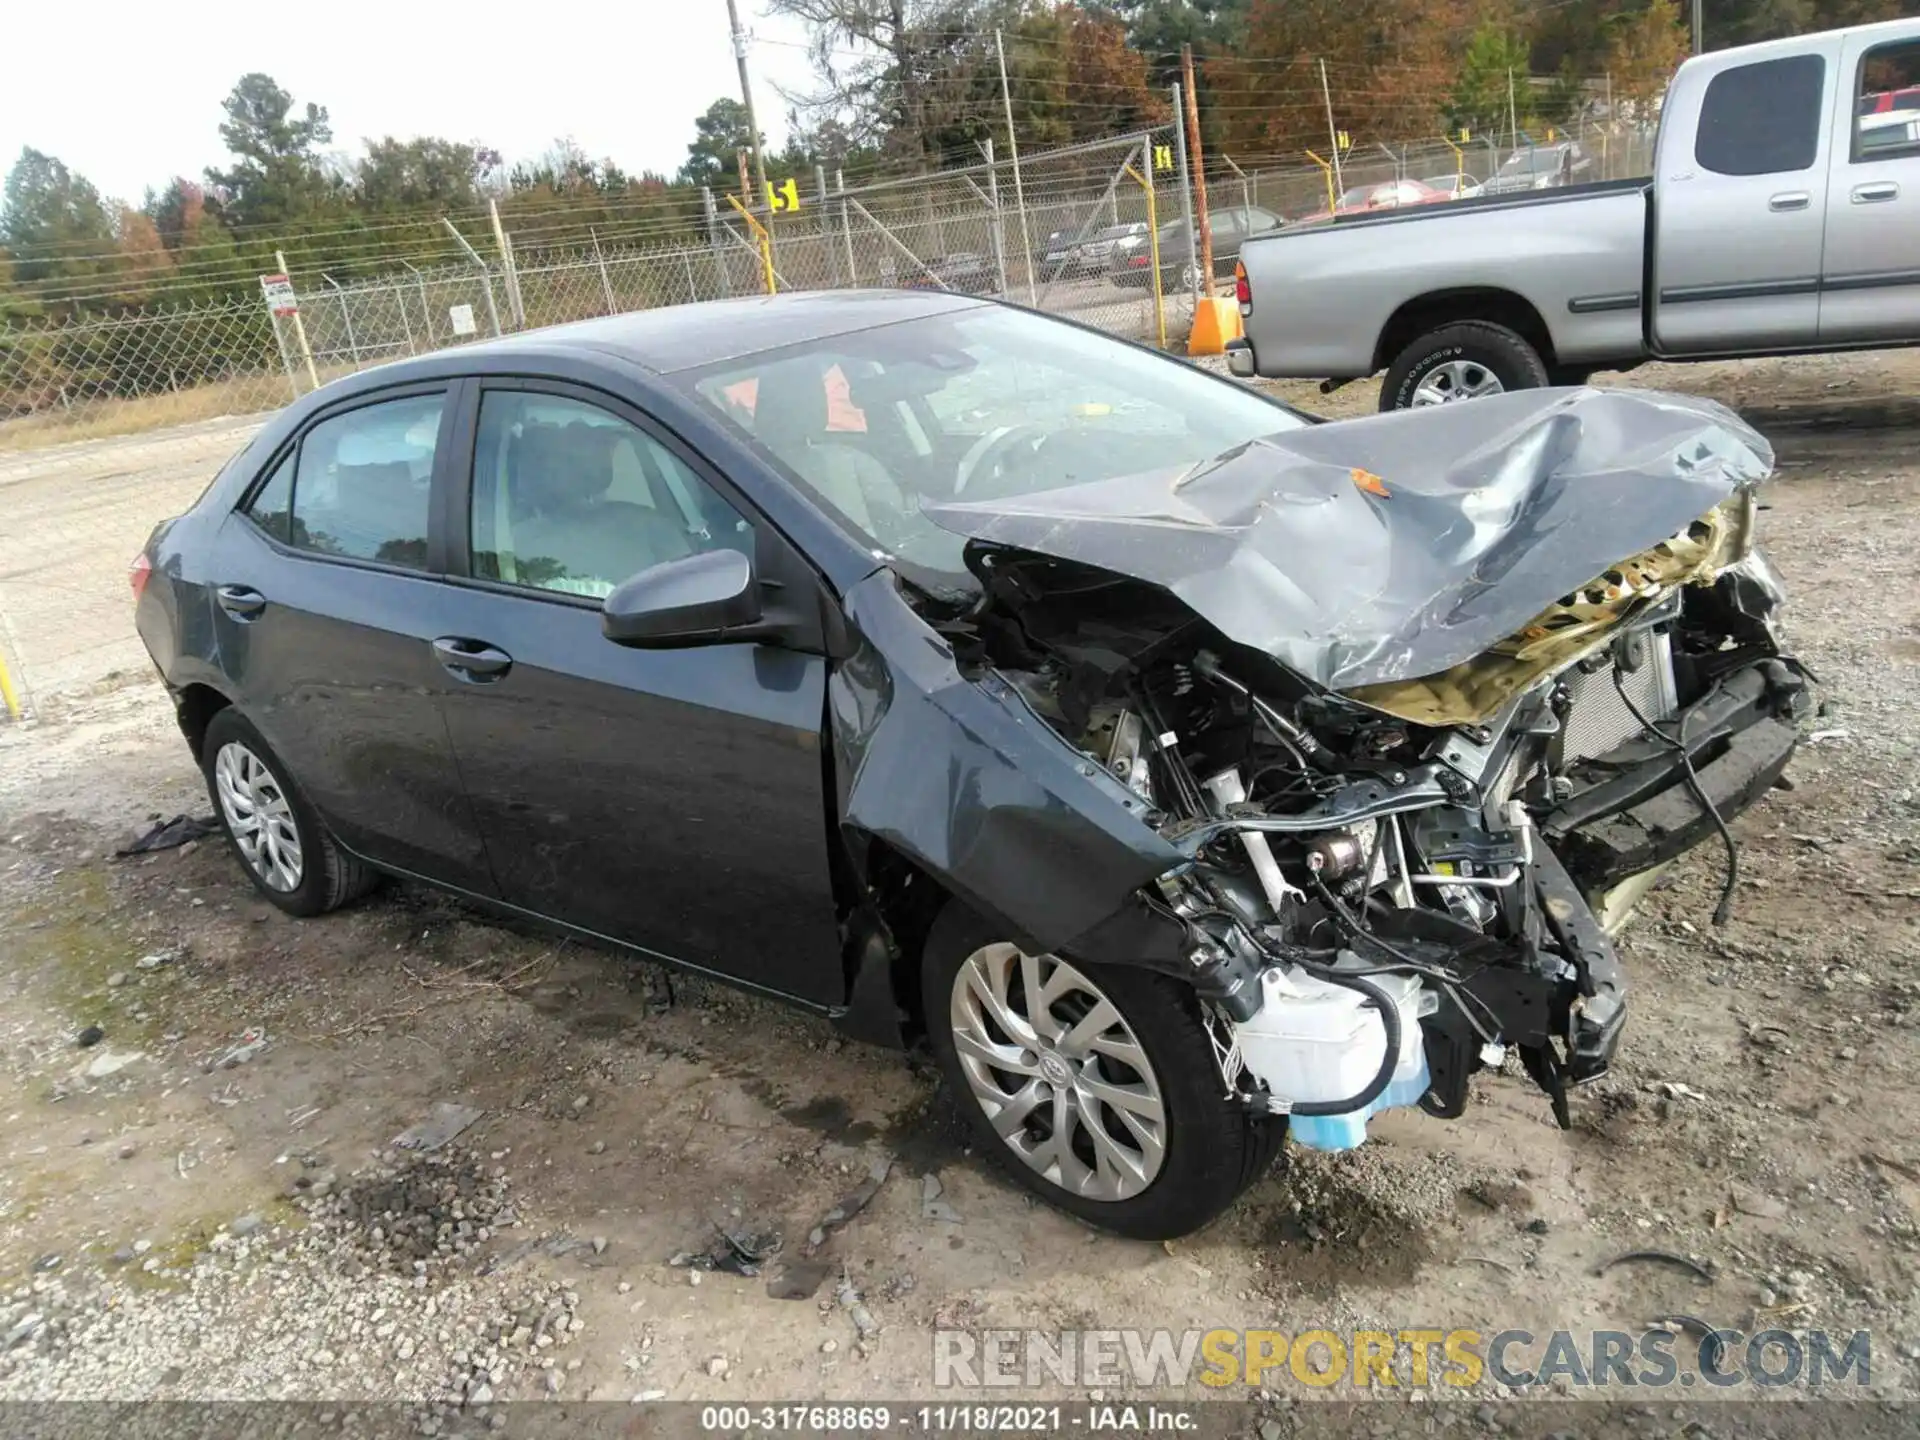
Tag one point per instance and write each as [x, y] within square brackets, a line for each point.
[673, 800]
[1740, 212]
[1870, 285]
[324, 612]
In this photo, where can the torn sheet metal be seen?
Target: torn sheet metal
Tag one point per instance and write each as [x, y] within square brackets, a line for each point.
[964, 778]
[1403, 544]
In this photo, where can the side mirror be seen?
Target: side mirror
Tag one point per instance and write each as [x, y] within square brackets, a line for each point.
[702, 599]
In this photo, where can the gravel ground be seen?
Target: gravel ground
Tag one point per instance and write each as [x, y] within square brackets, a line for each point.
[172, 1228]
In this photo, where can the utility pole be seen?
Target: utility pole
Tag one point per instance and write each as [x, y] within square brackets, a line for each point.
[1197, 161]
[761, 200]
[1513, 115]
[1699, 28]
[1019, 189]
[1333, 134]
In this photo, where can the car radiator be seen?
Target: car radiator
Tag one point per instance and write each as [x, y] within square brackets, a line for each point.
[1599, 720]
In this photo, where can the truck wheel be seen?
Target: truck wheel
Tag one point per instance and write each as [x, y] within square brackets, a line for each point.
[1462, 361]
[1095, 1086]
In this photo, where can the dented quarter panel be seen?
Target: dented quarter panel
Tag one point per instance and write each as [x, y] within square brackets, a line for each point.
[967, 781]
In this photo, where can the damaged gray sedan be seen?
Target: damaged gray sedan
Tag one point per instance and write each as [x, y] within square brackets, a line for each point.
[1187, 774]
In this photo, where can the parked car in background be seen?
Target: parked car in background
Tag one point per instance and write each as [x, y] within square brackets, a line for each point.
[965, 271]
[921, 722]
[1383, 195]
[1233, 226]
[1541, 167]
[1057, 251]
[1780, 219]
[1111, 247]
[1455, 187]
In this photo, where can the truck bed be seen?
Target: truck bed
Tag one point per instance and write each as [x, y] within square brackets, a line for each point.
[1331, 298]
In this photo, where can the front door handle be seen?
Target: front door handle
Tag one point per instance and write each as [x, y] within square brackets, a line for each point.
[242, 602]
[471, 659]
[1789, 200]
[1875, 191]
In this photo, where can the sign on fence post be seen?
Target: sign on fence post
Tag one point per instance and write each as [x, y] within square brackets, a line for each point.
[283, 304]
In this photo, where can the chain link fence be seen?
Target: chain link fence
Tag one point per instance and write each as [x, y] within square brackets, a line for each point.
[1071, 231]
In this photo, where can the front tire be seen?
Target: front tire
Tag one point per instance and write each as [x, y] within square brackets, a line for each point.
[1094, 1085]
[1462, 361]
[272, 826]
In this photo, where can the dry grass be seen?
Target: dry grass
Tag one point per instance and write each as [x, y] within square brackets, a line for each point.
[93, 419]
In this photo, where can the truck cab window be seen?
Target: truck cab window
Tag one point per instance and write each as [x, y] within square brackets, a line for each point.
[1762, 119]
[1886, 111]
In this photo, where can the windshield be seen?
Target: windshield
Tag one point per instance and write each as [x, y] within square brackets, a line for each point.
[1531, 162]
[979, 404]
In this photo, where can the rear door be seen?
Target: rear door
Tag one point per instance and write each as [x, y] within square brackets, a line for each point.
[673, 800]
[325, 606]
[1740, 204]
[1870, 276]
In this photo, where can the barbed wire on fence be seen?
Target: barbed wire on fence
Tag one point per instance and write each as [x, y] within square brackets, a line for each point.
[977, 228]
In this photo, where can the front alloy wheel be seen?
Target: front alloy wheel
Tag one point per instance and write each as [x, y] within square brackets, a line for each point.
[1094, 1084]
[1058, 1073]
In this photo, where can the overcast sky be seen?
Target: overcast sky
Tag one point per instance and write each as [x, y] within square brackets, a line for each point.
[129, 94]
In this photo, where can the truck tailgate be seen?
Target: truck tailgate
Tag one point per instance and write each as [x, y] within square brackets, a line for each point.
[1323, 294]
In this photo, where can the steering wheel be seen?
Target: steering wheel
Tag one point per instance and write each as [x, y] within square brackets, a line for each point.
[993, 449]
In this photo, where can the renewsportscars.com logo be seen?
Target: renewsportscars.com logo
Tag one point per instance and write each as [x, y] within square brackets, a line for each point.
[1461, 1359]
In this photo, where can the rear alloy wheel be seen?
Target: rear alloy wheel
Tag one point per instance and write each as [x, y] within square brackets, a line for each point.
[286, 851]
[1463, 361]
[1094, 1085]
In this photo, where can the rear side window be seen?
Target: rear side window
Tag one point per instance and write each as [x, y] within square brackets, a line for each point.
[1886, 122]
[363, 483]
[1762, 119]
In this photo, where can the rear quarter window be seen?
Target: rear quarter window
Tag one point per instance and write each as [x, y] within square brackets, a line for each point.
[1762, 119]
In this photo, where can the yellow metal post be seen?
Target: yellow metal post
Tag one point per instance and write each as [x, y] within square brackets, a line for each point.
[8, 696]
[1459, 166]
[766, 242]
[1153, 250]
[1326, 169]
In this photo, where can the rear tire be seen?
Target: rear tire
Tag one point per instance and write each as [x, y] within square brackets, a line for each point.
[1200, 1150]
[273, 828]
[1467, 348]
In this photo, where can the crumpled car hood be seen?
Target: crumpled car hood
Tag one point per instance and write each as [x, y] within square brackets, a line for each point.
[1400, 545]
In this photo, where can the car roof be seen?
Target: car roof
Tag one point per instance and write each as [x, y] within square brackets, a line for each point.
[682, 337]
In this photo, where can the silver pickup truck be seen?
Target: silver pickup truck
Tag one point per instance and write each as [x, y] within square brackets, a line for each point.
[1783, 216]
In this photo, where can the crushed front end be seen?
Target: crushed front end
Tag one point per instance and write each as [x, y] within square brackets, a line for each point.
[1395, 858]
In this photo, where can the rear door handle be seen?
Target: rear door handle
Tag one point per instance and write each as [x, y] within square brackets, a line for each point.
[242, 602]
[471, 659]
[1875, 191]
[1789, 200]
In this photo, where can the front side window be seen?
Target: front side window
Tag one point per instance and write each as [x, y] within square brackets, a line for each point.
[1762, 119]
[272, 505]
[570, 498]
[988, 404]
[1886, 123]
[363, 483]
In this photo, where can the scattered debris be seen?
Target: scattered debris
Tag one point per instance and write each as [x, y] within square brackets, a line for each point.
[253, 1040]
[153, 961]
[89, 1037]
[848, 1299]
[111, 1062]
[731, 1254]
[169, 835]
[1709, 1333]
[1820, 736]
[1898, 1167]
[850, 1204]
[1489, 1260]
[446, 1121]
[1663, 1257]
[1761, 1207]
[717, 1367]
[932, 1206]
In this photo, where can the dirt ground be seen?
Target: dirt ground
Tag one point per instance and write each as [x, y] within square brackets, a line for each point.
[171, 1227]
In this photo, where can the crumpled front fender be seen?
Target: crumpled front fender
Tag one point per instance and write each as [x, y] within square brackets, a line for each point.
[963, 778]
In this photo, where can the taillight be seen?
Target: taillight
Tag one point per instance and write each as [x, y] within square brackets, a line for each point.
[138, 573]
[1139, 262]
[1242, 291]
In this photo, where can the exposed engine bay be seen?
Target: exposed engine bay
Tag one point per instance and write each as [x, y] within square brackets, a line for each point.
[1388, 884]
